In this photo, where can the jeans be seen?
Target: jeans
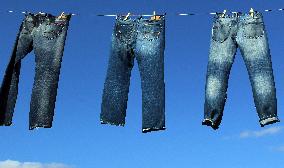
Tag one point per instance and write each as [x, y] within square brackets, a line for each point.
[249, 34]
[145, 40]
[45, 34]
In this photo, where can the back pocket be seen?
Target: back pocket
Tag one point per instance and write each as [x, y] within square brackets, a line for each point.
[221, 31]
[150, 36]
[253, 29]
[52, 30]
[28, 25]
[124, 32]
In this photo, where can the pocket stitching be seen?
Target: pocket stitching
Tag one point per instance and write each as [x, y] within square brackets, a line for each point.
[54, 32]
[28, 30]
[245, 34]
[150, 36]
[216, 29]
[119, 34]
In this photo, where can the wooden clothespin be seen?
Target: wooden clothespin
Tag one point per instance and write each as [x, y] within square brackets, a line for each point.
[224, 13]
[154, 17]
[127, 16]
[62, 16]
[251, 12]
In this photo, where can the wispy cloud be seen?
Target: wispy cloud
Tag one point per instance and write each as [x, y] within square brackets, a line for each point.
[255, 134]
[279, 148]
[264, 132]
[17, 164]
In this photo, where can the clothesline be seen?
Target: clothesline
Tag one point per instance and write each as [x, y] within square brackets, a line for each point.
[190, 14]
[214, 13]
[25, 12]
[177, 14]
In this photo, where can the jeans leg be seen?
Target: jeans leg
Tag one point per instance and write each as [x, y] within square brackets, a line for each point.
[150, 58]
[9, 92]
[256, 55]
[9, 87]
[220, 61]
[49, 49]
[116, 86]
[44, 93]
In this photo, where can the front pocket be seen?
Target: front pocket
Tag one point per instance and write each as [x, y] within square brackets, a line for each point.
[220, 31]
[253, 30]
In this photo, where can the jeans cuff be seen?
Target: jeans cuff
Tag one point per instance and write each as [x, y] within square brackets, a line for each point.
[9, 123]
[112, 123]
[268, 121]
[6, 124]
[210, 123]
[145, 130]
[40, 125]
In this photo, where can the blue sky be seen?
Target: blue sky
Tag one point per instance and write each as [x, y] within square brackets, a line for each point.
[77, 139]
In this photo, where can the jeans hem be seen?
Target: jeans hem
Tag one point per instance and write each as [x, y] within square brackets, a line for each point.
[112, 123]
[145, 130]
[210, 123]
[40, 126]
[268, 121]
[6, 124]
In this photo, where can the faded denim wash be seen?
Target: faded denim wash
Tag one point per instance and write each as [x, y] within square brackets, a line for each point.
[46, 35]
[145, 40]
[249, 35]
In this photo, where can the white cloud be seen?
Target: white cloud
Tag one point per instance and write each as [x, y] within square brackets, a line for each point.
[264, 132]
[280, 148]
[17, 164]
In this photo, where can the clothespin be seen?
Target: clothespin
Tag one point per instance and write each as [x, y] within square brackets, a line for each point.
[154, 17]
[126, 17]
[62, 16]
[251, 12]
[224, 13]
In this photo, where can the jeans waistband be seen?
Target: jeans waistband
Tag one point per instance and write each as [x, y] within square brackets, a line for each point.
[42, 17]
[238, 16]
[140, 20]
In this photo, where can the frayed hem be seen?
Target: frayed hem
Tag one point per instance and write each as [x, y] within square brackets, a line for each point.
[39, 126]
[268, 121]
[111, 123]
[209, 122]
[145, 130]
[6, 124]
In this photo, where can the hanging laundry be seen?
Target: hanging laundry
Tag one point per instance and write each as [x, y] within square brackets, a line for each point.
[144, 39]
[45, 34]
[246, 31]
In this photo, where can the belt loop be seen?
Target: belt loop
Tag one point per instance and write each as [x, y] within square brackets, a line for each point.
[235, 14]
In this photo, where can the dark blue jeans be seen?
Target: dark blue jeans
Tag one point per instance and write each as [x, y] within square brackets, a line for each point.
[249, 35]
[145, 40]
[46, 35]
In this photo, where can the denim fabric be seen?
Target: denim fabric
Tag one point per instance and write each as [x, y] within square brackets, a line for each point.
[249, 34]
[46, 35]
[145, 40]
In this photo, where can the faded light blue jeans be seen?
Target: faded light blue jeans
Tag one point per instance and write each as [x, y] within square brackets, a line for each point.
[249, 35]
[145, 40]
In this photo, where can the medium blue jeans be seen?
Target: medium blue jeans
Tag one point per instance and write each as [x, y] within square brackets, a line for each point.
[45, 34]
[145, 40]
[249, 35]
